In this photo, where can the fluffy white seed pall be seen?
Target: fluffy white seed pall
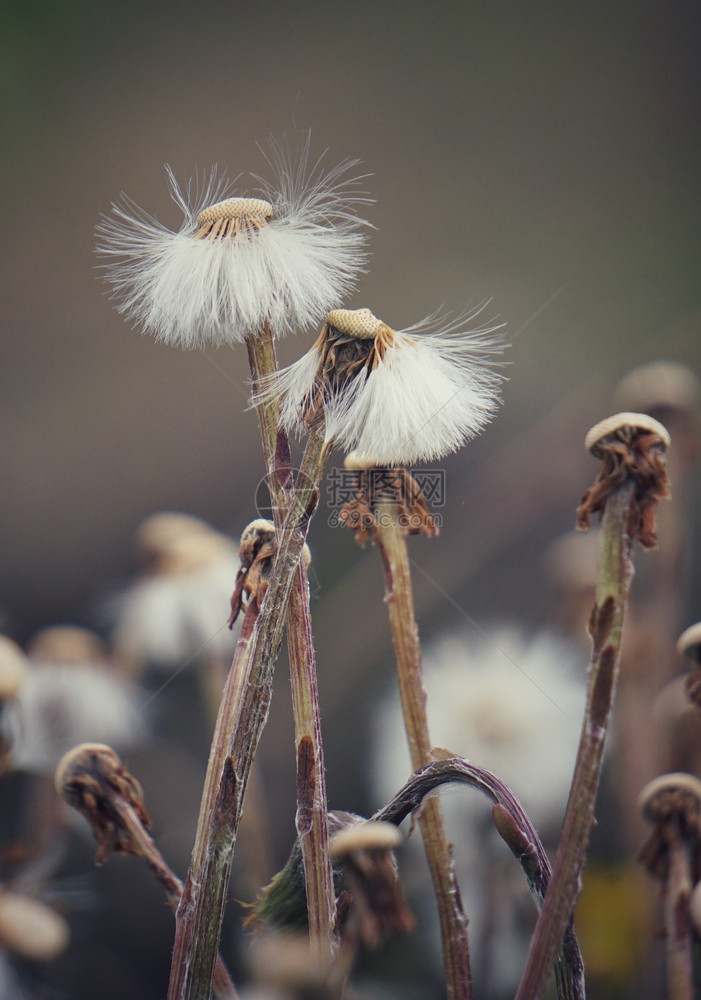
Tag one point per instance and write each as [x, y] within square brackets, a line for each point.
[419, 394]
[236, 264]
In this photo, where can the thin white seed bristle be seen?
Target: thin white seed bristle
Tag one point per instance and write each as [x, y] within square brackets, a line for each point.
[689, 642]
[678, 781]
[638, 421]
[368, 836]
[358, 323]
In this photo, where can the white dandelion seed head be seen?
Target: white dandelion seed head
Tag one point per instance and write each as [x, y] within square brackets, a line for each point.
[513, 704]
[237, 264]
[61, 704]
[180, 607]
[430, 390]
[503, 702]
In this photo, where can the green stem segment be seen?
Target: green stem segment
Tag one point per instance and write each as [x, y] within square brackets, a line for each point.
[400, 602]
[614, 573]
[242, 716]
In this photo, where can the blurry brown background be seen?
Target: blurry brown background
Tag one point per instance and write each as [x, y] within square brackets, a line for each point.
[546, 156]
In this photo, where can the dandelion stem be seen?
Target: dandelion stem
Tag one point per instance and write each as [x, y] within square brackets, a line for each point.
[312, 807]
[242, 716]
[516, 830]
[405, 637]
[613, 579]
[221, 982]
[676, 917]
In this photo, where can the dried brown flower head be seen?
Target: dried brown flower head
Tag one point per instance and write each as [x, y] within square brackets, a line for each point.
[672, 802]
[629, 445]
[92, 779]
[374, 484]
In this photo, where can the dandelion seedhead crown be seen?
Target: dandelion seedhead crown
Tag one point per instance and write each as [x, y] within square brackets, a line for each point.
[233, 216]
[358, 323]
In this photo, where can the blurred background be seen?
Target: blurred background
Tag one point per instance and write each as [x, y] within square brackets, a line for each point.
[544, 157]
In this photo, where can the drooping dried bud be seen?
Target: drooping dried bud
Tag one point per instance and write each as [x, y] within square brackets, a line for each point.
[30, 928]
[630, 445]
[256, 552]
[92, 779]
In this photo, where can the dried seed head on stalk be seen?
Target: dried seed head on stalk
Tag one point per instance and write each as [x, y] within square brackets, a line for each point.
[72, 694]
[399, 396]
[238, 263]
[629, 445]
[372, 905]
[92, 779]
[374, 485]
[671, 801]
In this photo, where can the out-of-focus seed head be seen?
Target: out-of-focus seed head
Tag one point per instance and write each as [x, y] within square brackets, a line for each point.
[689, 643]
[13, 668]
[67, 644]
[30, 928]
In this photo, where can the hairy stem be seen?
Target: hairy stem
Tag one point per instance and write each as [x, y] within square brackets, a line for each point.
[242, 716]
[312, 807]
[614, 573]
[522, 840]
[400, 603]
[223, 986]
